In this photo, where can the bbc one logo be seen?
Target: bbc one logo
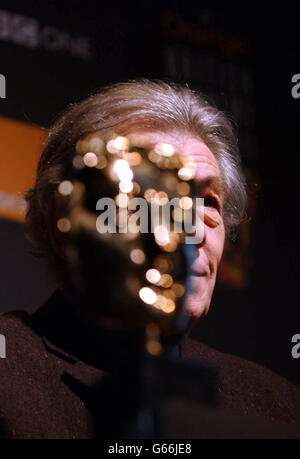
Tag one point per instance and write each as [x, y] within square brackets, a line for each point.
[2, 87]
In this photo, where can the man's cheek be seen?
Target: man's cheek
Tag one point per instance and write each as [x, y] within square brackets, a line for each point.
[215, 240]
[220, 241]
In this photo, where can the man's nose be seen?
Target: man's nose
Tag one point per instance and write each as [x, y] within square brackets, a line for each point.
[196, 232]
[198, 222]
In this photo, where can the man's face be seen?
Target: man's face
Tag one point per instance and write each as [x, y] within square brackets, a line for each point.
[208, 186]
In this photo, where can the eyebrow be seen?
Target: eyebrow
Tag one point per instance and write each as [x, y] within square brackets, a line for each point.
[214, 182]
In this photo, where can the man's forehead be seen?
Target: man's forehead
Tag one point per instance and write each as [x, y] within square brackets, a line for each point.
[191, 149]
[183, 142]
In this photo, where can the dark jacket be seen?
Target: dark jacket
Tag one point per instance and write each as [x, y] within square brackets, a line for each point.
[51, 365]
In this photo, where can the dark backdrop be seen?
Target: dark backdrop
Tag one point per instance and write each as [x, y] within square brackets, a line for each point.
[244, 58]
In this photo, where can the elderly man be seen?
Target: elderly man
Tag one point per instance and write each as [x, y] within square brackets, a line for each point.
[55, 356]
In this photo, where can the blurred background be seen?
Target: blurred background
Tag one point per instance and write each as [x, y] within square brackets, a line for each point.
[243, 57]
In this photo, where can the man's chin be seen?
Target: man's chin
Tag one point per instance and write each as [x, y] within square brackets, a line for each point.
[195, 309]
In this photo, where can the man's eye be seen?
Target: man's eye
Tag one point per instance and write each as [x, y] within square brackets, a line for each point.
[210, 201]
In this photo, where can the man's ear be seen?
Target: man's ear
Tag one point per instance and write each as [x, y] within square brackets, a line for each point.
[57, 238]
